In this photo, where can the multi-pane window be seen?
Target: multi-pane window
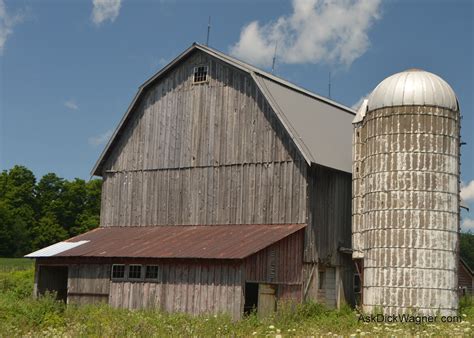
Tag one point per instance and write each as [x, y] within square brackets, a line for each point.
[135, 271]
[151, 272]
[118, 271]
[200, 74]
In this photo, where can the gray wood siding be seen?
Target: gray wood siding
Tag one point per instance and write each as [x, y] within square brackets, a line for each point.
[210, 153]
[280, 263]
[88, 283]
[180, 124]
[268, 193]
[330, 216]
[195, 289]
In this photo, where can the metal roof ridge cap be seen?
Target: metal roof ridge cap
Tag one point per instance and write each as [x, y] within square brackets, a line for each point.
[132, 104]
[255, 70]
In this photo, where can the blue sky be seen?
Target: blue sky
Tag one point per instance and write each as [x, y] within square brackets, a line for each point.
[69, 69]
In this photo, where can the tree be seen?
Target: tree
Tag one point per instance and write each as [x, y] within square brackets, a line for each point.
[34, 215]
[18, 208]
[467, 248]
[49, 192]
[47, 232]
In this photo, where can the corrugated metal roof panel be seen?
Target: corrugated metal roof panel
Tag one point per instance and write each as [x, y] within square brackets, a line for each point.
[182, 241]
[55, 249]
[324, 130]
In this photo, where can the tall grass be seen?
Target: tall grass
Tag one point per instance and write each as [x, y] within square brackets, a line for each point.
[21, 315]
[15, 264]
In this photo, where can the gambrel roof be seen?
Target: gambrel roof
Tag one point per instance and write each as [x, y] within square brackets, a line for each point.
[320, 128]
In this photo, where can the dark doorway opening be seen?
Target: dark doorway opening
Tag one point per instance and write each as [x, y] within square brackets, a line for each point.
[251, 297]
[53, 279]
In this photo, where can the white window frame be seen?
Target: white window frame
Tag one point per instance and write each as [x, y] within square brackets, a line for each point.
[195, 69]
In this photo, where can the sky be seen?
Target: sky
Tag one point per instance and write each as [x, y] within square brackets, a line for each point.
[69, 69]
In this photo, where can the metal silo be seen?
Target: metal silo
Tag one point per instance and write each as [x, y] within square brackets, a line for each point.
[406, 195]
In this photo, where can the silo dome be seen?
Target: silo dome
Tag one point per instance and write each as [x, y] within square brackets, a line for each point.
[413, 87]
[405, 214]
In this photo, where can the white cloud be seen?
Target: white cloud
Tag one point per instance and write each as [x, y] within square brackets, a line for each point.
[104, 10]
[100, 139]
[467, 225]
[332, 31]
[7, 22]
[467, 191]
[71, 105]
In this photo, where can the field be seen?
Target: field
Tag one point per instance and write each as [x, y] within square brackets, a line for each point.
[20, 315]
[15, 264]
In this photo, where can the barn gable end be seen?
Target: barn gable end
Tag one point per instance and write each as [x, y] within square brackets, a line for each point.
[202, 153]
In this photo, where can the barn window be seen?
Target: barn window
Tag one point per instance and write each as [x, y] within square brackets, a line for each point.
[200, 74]
[118, 271]
[151, 272]
[321, 280]
[135, 272]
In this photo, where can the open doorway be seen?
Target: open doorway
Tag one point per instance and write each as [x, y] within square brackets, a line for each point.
[53, 279]
[251, 297]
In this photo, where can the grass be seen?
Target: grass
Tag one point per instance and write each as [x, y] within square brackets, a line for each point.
[15, 264]
[21, 315]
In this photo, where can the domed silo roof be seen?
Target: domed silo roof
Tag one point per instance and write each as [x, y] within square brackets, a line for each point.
[413, 87]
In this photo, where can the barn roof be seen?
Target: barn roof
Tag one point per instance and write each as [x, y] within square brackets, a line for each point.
[321, 128]
[182, 241]
[468, 268]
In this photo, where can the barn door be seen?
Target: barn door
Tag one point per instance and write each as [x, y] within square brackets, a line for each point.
[53, 279]
[266, 299]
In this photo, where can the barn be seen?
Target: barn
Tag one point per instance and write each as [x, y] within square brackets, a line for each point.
[225, 188]
[466, 279]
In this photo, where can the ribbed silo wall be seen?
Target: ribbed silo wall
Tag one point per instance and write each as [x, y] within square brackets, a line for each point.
[411, 209]
[357, 191]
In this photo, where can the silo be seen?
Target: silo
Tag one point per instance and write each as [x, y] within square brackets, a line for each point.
[406, 195]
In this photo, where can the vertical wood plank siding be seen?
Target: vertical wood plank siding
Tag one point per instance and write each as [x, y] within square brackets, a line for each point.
[236, 194]
[211, 153]
[330, 216]
[88, 283]
[279, 263]
[191, 288]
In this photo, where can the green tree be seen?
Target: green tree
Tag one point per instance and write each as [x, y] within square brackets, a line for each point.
[17, 196]
[47, 232]
[34, 215]
[49, 191]
[467, 248]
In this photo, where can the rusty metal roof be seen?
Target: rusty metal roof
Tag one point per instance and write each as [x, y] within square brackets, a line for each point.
[183, 241]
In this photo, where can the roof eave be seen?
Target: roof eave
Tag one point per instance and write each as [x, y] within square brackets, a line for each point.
[96, 170]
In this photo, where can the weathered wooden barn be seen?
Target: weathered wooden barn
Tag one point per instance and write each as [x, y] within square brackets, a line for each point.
[466, 279]
[224, 188]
